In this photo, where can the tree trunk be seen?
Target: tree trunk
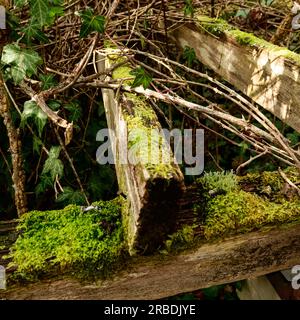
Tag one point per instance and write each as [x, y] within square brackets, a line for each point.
[18, 176]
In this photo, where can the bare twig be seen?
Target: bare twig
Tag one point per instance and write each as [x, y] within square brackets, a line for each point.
[243, 165]
[284, 176]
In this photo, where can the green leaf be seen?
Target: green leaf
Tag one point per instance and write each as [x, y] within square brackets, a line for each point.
[293, 137]
[69, 196]
[48, 81]
[238, 285]
[189, 56]
[243, 13]
[74, 109]
[53, 165]
[32, 32]
[39, 10]
[212, 292]
[142, 78]
[19, 3]
[36, 144]
[31, 110]
[54, 104]
[54, 152]
[91, 22]
[45, 183]
[53, 13]
[188, 8]
[23, 62]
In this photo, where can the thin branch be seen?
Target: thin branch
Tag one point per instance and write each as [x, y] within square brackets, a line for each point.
[243, 165]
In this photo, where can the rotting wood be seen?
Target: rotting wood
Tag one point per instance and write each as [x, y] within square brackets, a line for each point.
[152, 194]
[264, 73]
[228, 260]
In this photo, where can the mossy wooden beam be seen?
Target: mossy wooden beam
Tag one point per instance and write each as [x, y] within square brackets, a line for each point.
[267, 73]
[240, 257]
[152, 188]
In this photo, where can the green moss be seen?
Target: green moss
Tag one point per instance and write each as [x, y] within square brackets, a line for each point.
[85, 244]
[218, 182]
[239, 212]
[231, 204]
[179, 240]
[213, 25]
[219, 27]
[140, 122]
[270, 185]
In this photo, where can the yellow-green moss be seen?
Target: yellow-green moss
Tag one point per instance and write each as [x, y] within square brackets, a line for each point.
[214, 26]
[219, 27]
[239, 212]
[141, 121]
[231, 204]
[270, 184]
[179, 240]
[84, 244]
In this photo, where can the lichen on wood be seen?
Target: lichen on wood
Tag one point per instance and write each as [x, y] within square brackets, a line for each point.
[151, 179]
[221, 28]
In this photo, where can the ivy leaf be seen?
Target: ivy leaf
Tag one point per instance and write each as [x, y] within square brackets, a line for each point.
[19, 3]
[54, 104]
[31, 110]
[70, 196]
[189, 56]
[45, 183]
[23, 62]
[54, 152]
[188, 8]
[32, 31]
[53, 13]
[48, 81]
[39, 10]
[36, 144]
[91, 22]
[53, 165]
[142, 78]
[243, 13]
[74, 109]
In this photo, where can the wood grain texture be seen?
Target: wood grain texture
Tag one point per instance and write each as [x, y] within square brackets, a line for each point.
[265, 75]
[152, 196]
[232, 259]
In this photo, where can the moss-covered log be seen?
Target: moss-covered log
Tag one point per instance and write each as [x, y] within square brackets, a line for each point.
[267, 73]
[146, 171]
[155, 277]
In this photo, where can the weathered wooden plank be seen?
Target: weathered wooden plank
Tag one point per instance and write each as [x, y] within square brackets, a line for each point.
[258, 289]
[268, 74]
[152, 187]
[232, 259]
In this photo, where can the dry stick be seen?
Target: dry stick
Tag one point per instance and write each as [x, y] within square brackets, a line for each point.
[177, 100]
[288, 181]
[166, 97]
[205, 127]
[261, 117]
[71, 163]
[239, 168]
[15, 146]
[256, 143]
[27, 125]
[77, 72]
[40, 101]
